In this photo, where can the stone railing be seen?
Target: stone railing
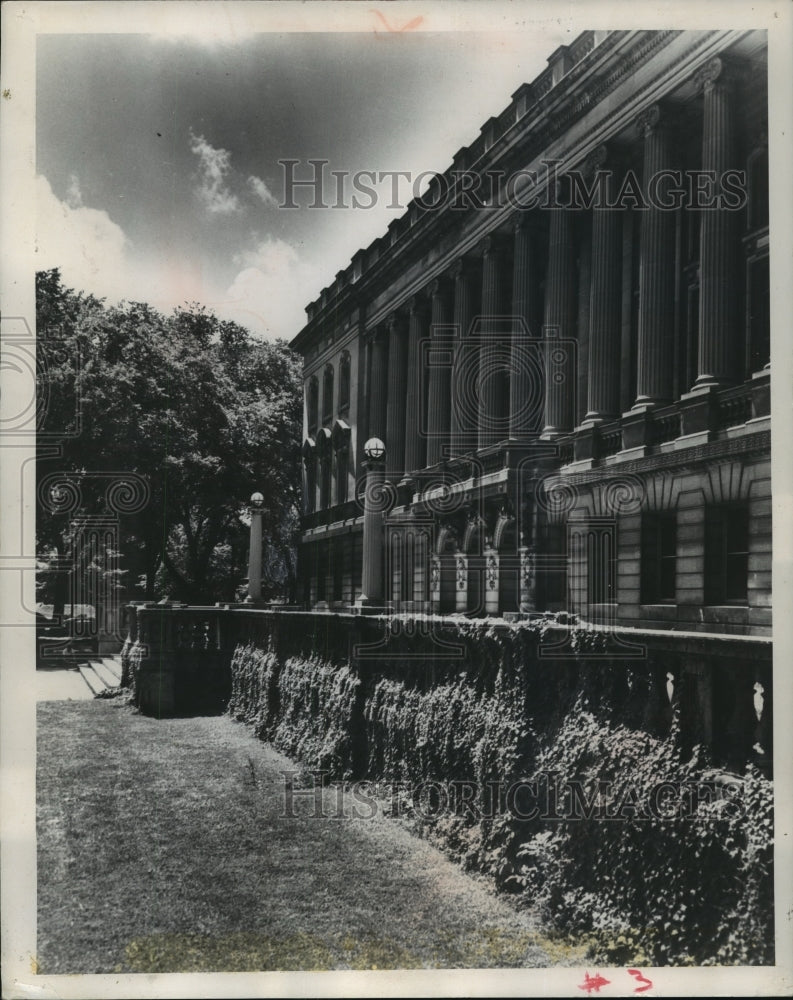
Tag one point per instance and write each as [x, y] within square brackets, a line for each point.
[735, 405]
[711, 412]
[665, 425]
[178, 660]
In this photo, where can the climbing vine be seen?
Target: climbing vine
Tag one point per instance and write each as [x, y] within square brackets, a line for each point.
[679, 878]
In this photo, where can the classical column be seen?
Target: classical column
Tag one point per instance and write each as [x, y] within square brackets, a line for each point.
[415, 442]
[718, 284]
[378, 385]
[466, 363]
[605, 323]
[559, 321]
[492, 367]
[397, 387]
[655, 363]
[255, 550]
[439, 363]
[372, 569]
[524, 391]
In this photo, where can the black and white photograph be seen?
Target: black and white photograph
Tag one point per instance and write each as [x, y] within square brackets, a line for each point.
[395, 558]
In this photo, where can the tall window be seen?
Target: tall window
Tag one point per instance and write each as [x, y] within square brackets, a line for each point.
[312, 404]
[726, 553]
[327, 394]
[408, 566]
[342, 472]
[554, 577]
[310, 463]
[659, 558]
[344, 383]
[324, 481]
[337, 556]
[322, 572]
[601, 565]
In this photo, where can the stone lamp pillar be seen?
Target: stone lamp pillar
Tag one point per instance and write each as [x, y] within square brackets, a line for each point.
[255, 553]
[374, 505]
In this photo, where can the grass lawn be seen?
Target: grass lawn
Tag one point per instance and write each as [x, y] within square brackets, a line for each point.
[163, 847]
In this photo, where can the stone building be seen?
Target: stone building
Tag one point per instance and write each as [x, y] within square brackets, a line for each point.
[564, 347]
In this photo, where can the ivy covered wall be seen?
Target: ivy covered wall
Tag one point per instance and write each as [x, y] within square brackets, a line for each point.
[653, 834]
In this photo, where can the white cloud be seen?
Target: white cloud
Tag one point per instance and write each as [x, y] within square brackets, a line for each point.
[85, 243]
[267, 296]
[262, 191]
[74, 196]
[214, 167]
[270, 293]
[94, 255]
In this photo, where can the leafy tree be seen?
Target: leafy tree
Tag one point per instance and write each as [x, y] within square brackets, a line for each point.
[199, 408]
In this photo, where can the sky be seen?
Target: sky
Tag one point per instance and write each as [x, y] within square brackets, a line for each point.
[157, 155]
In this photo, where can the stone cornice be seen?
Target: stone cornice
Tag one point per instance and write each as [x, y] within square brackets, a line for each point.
[550, 117]
[757, 444]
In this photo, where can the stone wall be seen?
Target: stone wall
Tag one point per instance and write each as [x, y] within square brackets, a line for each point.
[192, 659]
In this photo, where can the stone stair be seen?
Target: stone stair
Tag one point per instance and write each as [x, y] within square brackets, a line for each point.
[101, 673]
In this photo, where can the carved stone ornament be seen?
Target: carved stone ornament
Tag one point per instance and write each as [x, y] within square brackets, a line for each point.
[648, 120]
[492, 572]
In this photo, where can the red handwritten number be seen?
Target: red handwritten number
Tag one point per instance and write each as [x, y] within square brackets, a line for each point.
[641, 979]
[592, 984]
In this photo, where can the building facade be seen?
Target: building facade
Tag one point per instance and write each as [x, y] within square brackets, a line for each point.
[564, 347]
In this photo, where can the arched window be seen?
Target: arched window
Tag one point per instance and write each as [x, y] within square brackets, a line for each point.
[342, 473]
[325, 459]
[341, 446]
[310, 465]
[312, 404]
[311, 484]
[344, 383]
[327, 394]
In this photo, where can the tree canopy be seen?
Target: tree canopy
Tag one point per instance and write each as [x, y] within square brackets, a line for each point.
[198, 408]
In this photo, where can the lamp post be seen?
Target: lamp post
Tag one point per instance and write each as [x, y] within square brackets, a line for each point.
[255, 553]
[372, 575]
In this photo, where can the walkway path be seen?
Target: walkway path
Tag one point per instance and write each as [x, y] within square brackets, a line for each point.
[165, 846]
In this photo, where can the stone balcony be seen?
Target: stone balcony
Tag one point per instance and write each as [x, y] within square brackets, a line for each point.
[696, 418]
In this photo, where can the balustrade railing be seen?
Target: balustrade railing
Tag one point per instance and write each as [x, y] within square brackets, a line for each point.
[610, 439]
[566, 452]
[665, 425]
[735, 405]
[181, 660]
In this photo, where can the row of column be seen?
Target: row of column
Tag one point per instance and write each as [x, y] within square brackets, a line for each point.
[440, 389]
[437, 388]
[718, 348]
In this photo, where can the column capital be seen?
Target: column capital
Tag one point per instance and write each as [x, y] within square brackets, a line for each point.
[417, 303]
[597, 160]
[437, 286]
[491, 244]
[395, 320]
[462, 268]
[521, 220]
[647, 121]
[719, 69]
